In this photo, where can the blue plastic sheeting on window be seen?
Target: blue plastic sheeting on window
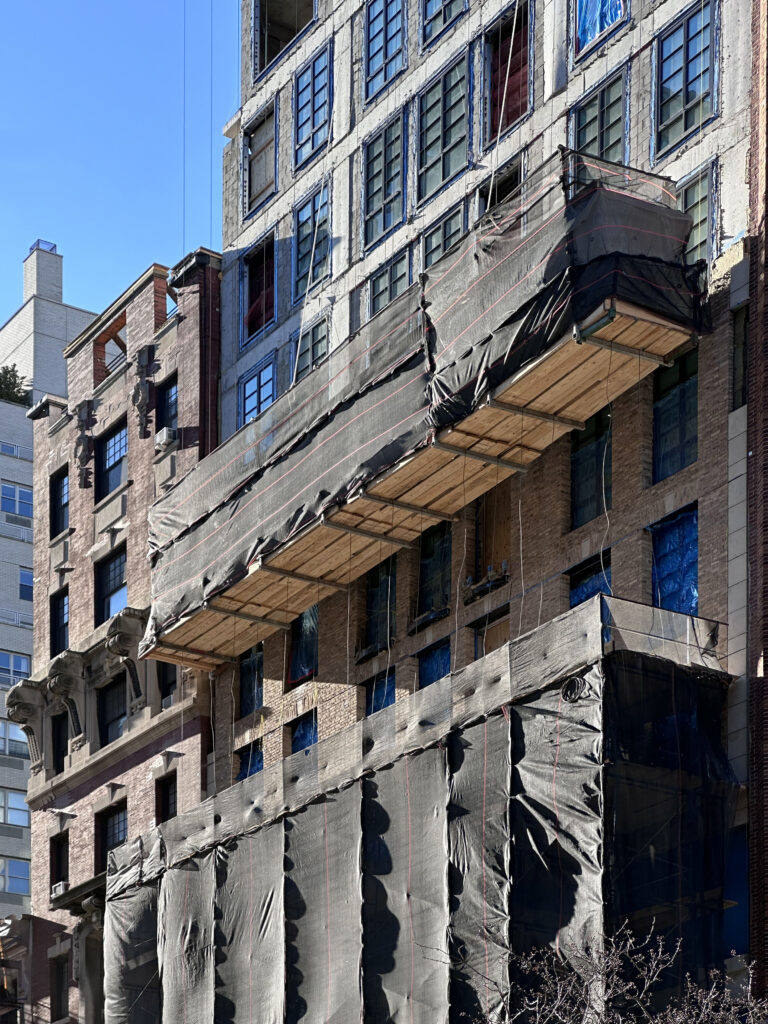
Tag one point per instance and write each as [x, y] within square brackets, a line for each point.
[434, 663]
[598, 583]
[304, 732]
[675, 429]
[251, 761]
[251, 680]
[303, 646]
[676, 563]
[593, 17]
[736, 894]
[380, 692]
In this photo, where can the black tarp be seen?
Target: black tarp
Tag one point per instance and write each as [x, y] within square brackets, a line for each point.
[574, 234]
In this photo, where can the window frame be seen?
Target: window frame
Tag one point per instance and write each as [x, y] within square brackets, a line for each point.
[602, 484]
[58, 857]
[255, 372]
[425, 652]
[58, 984]
[655, 529]
[102, 474]
[706, 171]
[622, 73]
[300, 162]
[299, 294]
[386, 268]
[26, 585]
[294, 725]
[254, 752]
[296, 346]
[58, 509]
[384, 678]
[163, 391]
[59, 624]
[658, 398]
[488, 136]
[589, 48]
[371, 94]
[365, 217]
[425, 42]
[104, 724]
[14, 675]
[105, 819]
[166, 798]
[246, 339]
[294, 642]
[18, 501]
[62, 719]
[102, 597]
[248, 129]
[461, 209]
[659, 152]
[6, 810]
[258, 72]
[253, 657]
[463, 58]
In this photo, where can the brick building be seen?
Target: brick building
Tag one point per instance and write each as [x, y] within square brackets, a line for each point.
[116, 744]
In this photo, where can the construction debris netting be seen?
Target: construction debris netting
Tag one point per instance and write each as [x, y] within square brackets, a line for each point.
[576, 232]
[397, 895]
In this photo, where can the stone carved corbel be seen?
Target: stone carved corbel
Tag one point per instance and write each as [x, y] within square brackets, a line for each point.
[140, 394]
[64, 682]
[24, 706]
[83, 444]
[122, 642]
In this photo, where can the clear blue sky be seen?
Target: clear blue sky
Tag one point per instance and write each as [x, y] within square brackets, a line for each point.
[94, 154]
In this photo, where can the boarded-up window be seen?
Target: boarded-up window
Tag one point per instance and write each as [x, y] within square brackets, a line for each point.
[260, 160]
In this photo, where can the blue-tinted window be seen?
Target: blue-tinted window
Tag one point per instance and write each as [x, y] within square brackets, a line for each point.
[442, 142]
[590, 578]
[675, 416]
[26, 582]
[111, 450]
[434, 569]
[384, 37]
[167, 405]
[111, 587]
[303, 654]
[594, 17]
[676, 562]
[591, 469]
[439, 13]
[14, 876]
[16, 499]
[380, 594]
[383, 186]
[250, 760]
[380, 692]
[312, 242]
[313, 106]
[434, 663]
[736, 894]
[251, 680]
[684, 77]
[257, 392]
[304, 731]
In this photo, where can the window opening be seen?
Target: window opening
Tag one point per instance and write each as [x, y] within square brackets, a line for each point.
[59, 858]
[437, 14]
[594, 18]
[434, 571]
[13, 668]
[111, 586]
[59, 741]
[390, 282]
[312, 242]
[303, 652]
[384, 35]
[259, 269]
[313, 106]
[304, 731]
[434, 663]
[380, 605]
[276, 25]
[676, 562]
[379, 692]
[16, 499]
[675, 416]
[165, 798]
[251, 680]
[26, 583]
[250, 760]
[257, 392]
[739, 392]
[13, 808]
[167, 683]
[492, 522]
[59, 622]
[491, 632]
[442, 130]
[112, 832]
[505, 106]
[499, 188]
[600, 122]
[111, 462]
[685, 77]
[112, 711]
[591, 469]
[59, 988]
[59, 502]
[736, 894]
[443, 236]
[313, 348]
[167, 404]
[693, 198]
[383, 188]
[260, 160]
[590, 577]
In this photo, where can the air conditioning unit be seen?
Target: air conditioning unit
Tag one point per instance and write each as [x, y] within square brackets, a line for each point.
[165, 438]
[59, 889]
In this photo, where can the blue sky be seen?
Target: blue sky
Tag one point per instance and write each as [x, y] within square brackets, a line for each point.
[94, 154]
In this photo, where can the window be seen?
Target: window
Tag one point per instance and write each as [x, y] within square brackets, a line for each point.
[380, 594]
[384, 197]
[736, 894]
[312, 348]
[503, 185]
[59, 621]
[111, 463]
[594, 18]
[13, 808]
[16, 499]
[59, 502]
[379, 692]
[59, 987]
[599, 122]
[14, 876]
[167, 404]
[437, 14]
[740, 355]
[591, 479]
[676, 562]
[251, 680]
[675, 416]
[111, 711]
[590, 578]
[312, 106]
[312, 242]
[111, 832]
[390, 282]
[259, 288]
[304, 731]
[59, 741]
[259, 160]
[445, 234]
[257, 391]
[250, 760]
[165, 798]
[166, 683]
[685, 77]
[693, 197]
[111, 586]
[59, 858]
[384, 36]
[13, 668]
[12, 740]
[491, 632]
[434, 663]
[303, 653]
[434, 571]
[26, 580]
[508, 64]
[442, 130]
[275, 26]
